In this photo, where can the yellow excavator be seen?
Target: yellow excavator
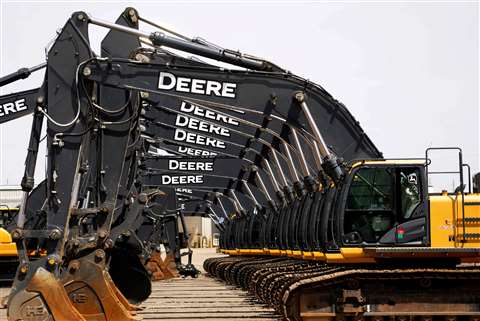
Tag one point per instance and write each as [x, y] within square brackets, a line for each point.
[8, 248]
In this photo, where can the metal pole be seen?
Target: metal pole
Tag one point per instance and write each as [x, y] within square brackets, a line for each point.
[279, 167]
[290, 163]
[322, 146]
[161, 39]
[303, 161]
[330, 164]
[249, 192]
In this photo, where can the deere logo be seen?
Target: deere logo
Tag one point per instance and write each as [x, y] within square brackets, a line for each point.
[34, 313]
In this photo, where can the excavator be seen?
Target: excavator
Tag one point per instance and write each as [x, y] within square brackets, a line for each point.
[315, 221]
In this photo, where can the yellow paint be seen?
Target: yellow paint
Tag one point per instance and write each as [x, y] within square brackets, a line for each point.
[334, 258]
[319, 256]
[352, 252]
[297, 254]
[7, 247]
[5, 237]
[446, 222]
[390, 162]
[274, 252]
[340, 258]
[307, 255]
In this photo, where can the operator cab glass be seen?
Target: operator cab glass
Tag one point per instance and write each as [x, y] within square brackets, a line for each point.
[384, 205]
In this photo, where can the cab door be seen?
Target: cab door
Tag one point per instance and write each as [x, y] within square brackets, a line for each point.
[384, 205]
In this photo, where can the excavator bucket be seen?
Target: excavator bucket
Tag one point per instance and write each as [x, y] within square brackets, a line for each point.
[45, 298]
[85, 292]
[161, 269]
[92, 292]
[129, 275]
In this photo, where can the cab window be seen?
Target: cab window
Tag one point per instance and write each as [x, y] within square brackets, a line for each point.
[371, 189]
[409, 192]
[383, 206]
[369, 209]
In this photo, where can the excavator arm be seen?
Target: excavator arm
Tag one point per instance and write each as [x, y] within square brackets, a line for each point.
[140, 136]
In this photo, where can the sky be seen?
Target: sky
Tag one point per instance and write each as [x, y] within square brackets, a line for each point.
[408, 71]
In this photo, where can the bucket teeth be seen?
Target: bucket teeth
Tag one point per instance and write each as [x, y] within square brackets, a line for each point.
[92, 291]
[161, 269]
[84, 292]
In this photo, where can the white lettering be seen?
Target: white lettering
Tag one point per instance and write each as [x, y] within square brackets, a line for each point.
[195, 152]
[198, 86]
[161, 81]
[228, 90]
[183, 84]
[9, 108]
[206, 113]
[13, 107]
[168, 81]
[174, 164]
[213, 87]
[193, 138]
[181, 179]
[20, 104]
[192, 123]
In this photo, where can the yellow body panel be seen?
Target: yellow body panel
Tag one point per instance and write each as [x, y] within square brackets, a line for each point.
[352, 252]
[446, 221]
[7, 247]
[274, 252]
[5, 237]
[297, 254]
[320, 256]
[390, 162]
[307, 255]
[352, 257]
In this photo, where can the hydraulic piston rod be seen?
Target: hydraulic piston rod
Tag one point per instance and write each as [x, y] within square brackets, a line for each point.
[21, 73]
[330, 164]
[161, 39]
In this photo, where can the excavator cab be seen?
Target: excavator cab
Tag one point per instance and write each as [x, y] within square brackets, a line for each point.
[384, 203]
[385, 210]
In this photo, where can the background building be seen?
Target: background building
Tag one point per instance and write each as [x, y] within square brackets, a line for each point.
[10, 195]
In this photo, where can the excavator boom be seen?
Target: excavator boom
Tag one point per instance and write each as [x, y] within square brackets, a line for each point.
[317, 223]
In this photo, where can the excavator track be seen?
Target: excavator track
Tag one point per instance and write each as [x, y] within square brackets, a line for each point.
[309, 290]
